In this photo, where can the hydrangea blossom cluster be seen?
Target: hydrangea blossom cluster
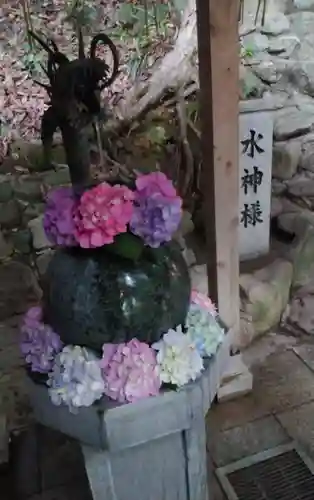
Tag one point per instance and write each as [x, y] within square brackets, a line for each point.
[157, 211]
[39, 343]
[203, 330]
[75, 379]
[59, 217]
[178, 358]
[203, 302]
[127, 372]
[152, 212]
[104, 211]
[130, 371]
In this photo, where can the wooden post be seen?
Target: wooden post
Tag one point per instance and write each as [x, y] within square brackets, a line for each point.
[219, 94]
[218, 45]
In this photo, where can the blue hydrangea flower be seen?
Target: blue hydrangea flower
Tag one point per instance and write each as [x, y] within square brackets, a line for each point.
[204, 330]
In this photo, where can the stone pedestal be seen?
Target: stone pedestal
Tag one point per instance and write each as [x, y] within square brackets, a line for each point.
[151, 450]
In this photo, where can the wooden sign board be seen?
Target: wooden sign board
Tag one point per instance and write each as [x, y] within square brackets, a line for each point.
[255, 171]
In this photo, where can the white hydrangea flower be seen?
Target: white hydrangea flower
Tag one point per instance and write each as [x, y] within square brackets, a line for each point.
[178, 358]
[204, 330]
[76, 378]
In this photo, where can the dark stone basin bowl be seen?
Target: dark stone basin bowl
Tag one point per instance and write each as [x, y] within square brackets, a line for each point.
[94, 296]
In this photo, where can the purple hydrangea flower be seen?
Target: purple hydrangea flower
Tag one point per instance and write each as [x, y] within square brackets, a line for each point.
[39, 343]
[59, 217]
[157, 211]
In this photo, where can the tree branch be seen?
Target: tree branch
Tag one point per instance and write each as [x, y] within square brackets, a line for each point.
[174, 71]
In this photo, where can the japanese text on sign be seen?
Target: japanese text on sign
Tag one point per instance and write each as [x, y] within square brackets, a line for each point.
[255, 183]
[252, 214]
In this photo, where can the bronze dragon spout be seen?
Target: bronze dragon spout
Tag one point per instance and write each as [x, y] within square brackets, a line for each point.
[74, 91]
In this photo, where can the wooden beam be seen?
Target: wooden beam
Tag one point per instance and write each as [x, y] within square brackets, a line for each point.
[219, 94]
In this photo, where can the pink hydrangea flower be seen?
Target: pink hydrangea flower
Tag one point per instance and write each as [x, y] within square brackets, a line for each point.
[104, 211]
[130, 371]
[156, 182]
[204, 302]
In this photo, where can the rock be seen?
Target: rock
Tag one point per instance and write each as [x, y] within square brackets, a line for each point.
[32, 211]
[303, 4]
[6, 248]
[28, 188]
[303, 258]
[39, 237]
[293, 122]
[25, 152]
[267, 71]
[30, 155]
[18, 289]
[59, 177]
[294, 208]
[247, 332]
[10, 214]
[276, 100]
[301, 76]
[301, 312]
[277, 187]
[246, 28]
[6, 190]
[284, 45]
[255, 42]
[265, 294]
[295, 220]
[276, 24]
[304, 52]
[286, 156]
[276, 206]
[301, 186]
[301, 23]
[301, 68]
[307, 153]
[43, 260]
[22, 240]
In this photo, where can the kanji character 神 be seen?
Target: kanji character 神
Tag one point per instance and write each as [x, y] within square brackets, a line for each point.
[251, 180]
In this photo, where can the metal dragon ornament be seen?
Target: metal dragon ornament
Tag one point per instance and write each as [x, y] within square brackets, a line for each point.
[74, 90]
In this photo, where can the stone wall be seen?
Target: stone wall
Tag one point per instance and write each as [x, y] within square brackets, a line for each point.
[279, 69]
[24, 248]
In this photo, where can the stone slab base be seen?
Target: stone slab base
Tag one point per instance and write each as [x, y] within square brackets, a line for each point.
[236, 381]
[150, 450]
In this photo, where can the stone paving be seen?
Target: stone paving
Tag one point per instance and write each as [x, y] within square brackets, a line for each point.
[280, 408]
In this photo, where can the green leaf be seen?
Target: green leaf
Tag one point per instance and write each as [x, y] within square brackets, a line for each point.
[127, 245]
[157, 134]
[162, 11]
[126, 13]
